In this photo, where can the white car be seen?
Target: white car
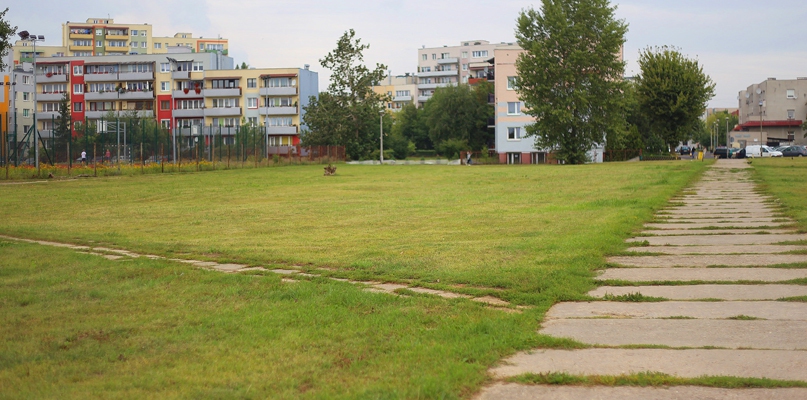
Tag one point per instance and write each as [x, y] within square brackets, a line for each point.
[761, 151]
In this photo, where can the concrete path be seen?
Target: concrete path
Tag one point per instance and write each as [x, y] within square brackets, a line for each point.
[741, 327]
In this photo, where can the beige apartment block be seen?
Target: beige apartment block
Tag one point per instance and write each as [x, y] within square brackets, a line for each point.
[400, 91]
[772, 112]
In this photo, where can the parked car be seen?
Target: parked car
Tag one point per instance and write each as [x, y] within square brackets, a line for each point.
[761, 151]
[740, 154]
[794, 151]
[684, 150]
[721, 152]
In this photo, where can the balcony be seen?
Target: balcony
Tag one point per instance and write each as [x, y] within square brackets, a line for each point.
[434, 85]
[105, 77]
[108, 96]
[81, 35]
[47, 115]
[453, 72]
[226, 92]
[119, 49]
[192, 113]
[49, 96]
[448, 61]
[111, 36]
[136, 76]
[135, 95]
[79, 48]
[181, 75]
[44, 78]
[141, 113]
[402, 98]
[278, 91]
[281, 130]
[222, 111]
[191, 94]
[278, 111]
[96, 114]
[423, 99]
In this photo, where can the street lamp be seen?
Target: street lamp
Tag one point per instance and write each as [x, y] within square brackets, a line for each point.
[27, 37]
[381, 135]
[759, 92]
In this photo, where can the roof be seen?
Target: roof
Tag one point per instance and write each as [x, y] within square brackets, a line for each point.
[771, 124]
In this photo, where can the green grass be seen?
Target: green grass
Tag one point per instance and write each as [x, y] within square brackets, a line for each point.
[785, 180]
[81, 325]
[653, 379]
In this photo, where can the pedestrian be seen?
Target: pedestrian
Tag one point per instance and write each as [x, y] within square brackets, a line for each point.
[468, 158]
[108, 156]
[692, 151]
[83, 157]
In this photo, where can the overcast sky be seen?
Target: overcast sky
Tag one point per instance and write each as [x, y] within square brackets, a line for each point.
[738, 42]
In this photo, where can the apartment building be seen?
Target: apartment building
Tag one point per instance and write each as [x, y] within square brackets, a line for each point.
[451, 65]
[104, 37]
[771, 112]
[401, 90]
[189, 93]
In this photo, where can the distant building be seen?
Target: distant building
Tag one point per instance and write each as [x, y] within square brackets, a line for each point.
[401, 90]
[771, 112]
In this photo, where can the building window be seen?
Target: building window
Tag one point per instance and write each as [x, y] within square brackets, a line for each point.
[25, 96]
[425, 57]
[198, 66]
[511, 83]
[278, 102]
[225, 103]
[99, 43]
[479, 53]
[280, 121]
[143, 33]
[134, 32]
[133, 44]
[465, 54]
[165, 123]
[158, 45]
[514, 133]
[791, 136]
[791, 93]
[99, 31]
[252, 82]
[434, 56]
[26, 79]
[165, 67]
[165, 105]
[464, 67]
[791, 114]
[78, 107]
[443, 56]
[514, 108]
[25, 112]
[252, 102]
[201, 46]
[143, 45]
[78, 88]
[252, 121]
[165, 86]
[402, 93]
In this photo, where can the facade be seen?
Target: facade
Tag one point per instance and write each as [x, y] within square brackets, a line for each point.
[401, 90]
[188, 93]
[771, 112]
[443, 66]
[104, 37]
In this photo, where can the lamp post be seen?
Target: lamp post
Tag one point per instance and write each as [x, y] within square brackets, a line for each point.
[381, 135]
[25, 36]
[759, 93]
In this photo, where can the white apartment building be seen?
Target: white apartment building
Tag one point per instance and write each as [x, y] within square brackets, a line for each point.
[772, 112]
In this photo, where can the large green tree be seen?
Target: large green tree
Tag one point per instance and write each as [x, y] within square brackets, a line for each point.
[410, 124]
[348, 113]
[6, 33]
[460, 112]
[62, 127]
[672, 92]
[570, 74]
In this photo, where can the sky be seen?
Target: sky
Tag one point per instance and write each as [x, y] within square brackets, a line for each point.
[738, 43]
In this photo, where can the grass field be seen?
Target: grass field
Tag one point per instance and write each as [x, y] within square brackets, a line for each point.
[786, 180]
[77, 324]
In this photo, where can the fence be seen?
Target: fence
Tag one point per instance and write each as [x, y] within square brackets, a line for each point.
[621, 155]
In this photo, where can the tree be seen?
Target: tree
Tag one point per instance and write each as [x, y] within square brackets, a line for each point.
[672, 91]
[570, 75]
[410, 124]
[348, 113]
[62, 128]
[6, 33]
[717, 120]
[459, 112]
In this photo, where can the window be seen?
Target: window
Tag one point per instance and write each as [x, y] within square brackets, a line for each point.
[78, 88]
[99, 31]
[252, 82]
[514, 133]
[165, 123]
[464, 67]
[434, 56]
[158, 45]
[514, 108]
[402, 93]
[25, 112]
[252, 102]
[134, 32]
[77, 70]
[26, 79]
[443, 56]
[143, 33]
[791, 93]
[78, 107]
[25, 96]
[201, 46]
[464, 54]
[51, 107]
[425, 57]
[83, 43]
[252, 121]
[224, 83]
[198, 66]
[143, 45]
[225, 103]
[791, 136]
[479, 53]
[165, 105]
[278, 102]
[165, 86]
[791, 114]
[99, 43]
[280, 121]
[117, 43]
[280, 82]
[133, 44]
[511, 83]
[165, 67]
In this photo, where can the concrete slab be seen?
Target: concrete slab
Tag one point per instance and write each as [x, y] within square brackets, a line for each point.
[513, 391]
[701, 225]
[772, 364]
[683, 232]
[230, 267]
[754, 334]
[770, 310]
[712, 240]
[695, 292]
[705, 260]
[703, 274]
[441, 293]
[721, 220]
[740, 249]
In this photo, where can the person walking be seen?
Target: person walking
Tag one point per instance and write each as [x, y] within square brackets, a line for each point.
[83, 157]
[468, 158]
